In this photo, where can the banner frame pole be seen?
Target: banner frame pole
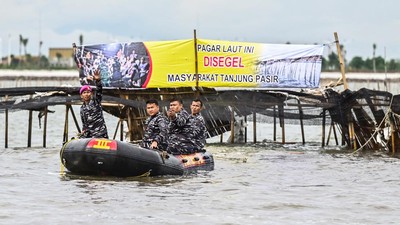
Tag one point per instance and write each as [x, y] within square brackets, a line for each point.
[341, 61]
[196, 66]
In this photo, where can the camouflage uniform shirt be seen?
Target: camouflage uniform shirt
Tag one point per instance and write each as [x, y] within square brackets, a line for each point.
[180, 139]
[156, 129]
[93, 124]
[199, 130]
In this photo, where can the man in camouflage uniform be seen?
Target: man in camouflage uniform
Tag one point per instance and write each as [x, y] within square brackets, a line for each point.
[198, 124]
[93, 124]
[180, 131]
[156, 127]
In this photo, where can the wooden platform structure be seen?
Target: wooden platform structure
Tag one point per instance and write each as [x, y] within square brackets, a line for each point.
[357, 118]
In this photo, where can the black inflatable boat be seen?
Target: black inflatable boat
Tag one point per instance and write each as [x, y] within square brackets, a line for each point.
[93, 156]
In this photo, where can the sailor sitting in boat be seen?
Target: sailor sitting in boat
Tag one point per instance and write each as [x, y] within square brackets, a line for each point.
[198, 124]
[156, 127]
[180, 131]
[93, 123]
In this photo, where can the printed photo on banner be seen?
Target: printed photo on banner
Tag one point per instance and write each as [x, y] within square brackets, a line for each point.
[289, 66]
[121, 64]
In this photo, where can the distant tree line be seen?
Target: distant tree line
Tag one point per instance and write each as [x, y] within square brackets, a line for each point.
[358, 64]
[27, 62]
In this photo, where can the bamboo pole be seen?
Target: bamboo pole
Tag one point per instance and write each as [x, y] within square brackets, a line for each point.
[75, 120]
[196, 66]
[45, 127]
[121, 130]
[232, 126]
[30, 129]
[352, 136]
[341, 61]
[116, 129]
[274, 138]
[6, 130]
[65, 136]
[323, 127]
[332, 128]
[282, 122]
[334, 133]
[342, 70]
[129, 122]
[254, 127]
[343, 134]
[329, 134]
[393, 132]
[301, 122]
[245, 129]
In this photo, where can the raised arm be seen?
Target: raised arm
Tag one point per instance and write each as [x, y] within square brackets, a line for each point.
[99, 85]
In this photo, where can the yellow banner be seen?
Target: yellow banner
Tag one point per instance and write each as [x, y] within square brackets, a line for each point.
[172, 63]
[169, 64]
[226, 64]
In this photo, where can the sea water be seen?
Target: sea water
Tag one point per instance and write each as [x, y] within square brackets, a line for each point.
[252, 183]
[262, 183]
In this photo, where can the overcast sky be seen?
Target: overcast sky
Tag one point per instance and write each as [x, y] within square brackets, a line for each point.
[59, 23]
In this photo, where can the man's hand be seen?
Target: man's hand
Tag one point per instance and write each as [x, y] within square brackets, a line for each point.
[171, 114]
[96, 75]
[79, 135]
[154, 145]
